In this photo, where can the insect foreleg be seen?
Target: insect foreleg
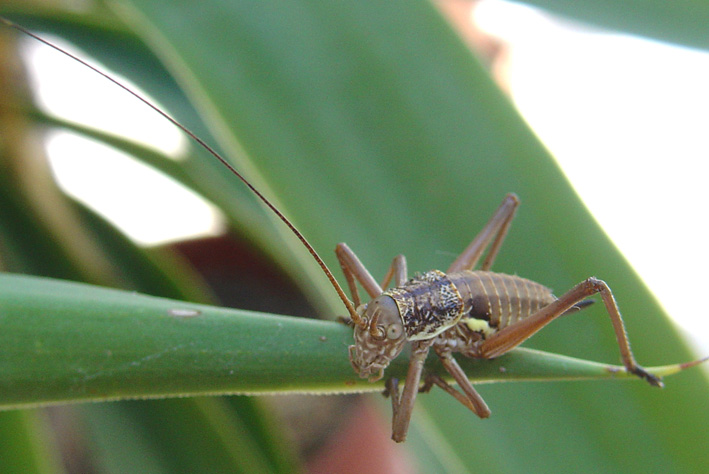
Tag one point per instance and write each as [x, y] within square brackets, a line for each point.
[515, 334]
[398, 270]
[354, 269]
[495, 232]
[403, 405]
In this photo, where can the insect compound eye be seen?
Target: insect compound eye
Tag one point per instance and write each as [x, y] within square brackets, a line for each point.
[394, 331]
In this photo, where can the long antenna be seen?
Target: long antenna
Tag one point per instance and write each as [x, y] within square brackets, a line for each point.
[348, 304]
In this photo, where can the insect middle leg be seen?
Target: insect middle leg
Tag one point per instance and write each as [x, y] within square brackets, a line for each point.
[403, 403]
[470, 397]
[513, 335]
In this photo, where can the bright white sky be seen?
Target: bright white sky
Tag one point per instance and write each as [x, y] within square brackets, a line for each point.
[626, 118]
[149, 207]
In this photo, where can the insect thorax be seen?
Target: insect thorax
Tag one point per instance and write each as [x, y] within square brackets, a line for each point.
[428, 304]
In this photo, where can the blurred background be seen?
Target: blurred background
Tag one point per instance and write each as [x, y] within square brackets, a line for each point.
[564, 77]
[624, 116]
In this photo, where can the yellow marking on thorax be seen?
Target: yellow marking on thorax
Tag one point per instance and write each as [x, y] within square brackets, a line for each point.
[479, 325]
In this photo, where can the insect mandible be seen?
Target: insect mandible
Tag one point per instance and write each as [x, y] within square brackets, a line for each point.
[477, 313]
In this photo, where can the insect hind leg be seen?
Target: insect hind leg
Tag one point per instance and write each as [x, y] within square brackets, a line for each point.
[513, 335]
[494, 232]
[578, 307]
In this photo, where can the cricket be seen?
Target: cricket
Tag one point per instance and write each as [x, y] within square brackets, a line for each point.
[468, 309]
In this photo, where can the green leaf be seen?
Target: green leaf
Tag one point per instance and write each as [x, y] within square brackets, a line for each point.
[683, 22]
[65, 342]
[373, 125]
[170, 435]
[26, 443]
[32, 243]
[370, 123]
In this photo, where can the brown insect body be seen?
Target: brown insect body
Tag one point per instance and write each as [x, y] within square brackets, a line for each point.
[474, 312]
[428, 304]
[455, 312]
[498, 299]
[480, 302]
[432, 302]
[477, 313]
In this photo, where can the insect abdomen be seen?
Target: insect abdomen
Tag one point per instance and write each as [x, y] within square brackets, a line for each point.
[499, 299]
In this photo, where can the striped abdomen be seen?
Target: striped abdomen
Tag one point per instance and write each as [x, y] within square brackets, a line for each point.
[499, 299]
